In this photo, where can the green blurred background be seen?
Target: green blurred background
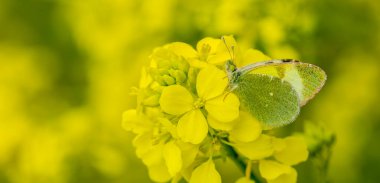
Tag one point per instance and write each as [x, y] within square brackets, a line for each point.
[66, 67]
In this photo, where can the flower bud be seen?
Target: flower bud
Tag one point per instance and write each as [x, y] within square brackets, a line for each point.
[170, 68]
[168, 80]
[180, 76]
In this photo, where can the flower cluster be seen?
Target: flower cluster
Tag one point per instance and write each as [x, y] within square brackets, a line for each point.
[186, 119]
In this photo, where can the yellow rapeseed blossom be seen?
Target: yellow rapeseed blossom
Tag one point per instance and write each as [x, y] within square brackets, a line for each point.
[205, 173]
[208, 51]
[192, 126]
[186, 119]
[275, 172]
[295, 151]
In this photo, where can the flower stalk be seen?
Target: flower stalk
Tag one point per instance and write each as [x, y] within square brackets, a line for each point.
[242, 165]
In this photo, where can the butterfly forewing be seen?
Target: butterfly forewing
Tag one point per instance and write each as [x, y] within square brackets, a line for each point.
[306, 79]
[271, 100]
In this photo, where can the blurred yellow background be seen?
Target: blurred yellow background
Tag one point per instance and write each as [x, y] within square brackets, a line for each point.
[66, 67]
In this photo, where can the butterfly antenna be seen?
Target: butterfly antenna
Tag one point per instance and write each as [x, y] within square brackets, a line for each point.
[228, 49]
[233, 52]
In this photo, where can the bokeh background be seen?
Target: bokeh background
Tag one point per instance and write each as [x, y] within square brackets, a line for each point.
[66, 67]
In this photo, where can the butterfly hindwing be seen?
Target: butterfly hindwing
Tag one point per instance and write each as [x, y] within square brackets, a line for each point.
[271, 100]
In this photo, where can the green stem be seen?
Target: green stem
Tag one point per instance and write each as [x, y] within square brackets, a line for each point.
[234, 156]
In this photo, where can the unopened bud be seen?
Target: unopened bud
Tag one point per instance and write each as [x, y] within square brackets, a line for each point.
[168, 80]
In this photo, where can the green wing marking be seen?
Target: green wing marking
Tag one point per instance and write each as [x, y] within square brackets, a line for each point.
[306, 79]
[271, 100]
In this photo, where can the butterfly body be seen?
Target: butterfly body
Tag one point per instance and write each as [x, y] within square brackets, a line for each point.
[275, 100]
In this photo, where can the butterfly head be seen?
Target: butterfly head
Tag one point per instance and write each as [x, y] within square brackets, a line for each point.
[232, 71]
[230, 66]
[232, 74]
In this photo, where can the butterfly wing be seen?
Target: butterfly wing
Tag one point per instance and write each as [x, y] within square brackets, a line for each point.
[271, 100]
[306, 79]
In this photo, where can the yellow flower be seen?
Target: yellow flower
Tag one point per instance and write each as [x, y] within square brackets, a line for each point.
[294, 152]
[136, 123]
[192, 126]
[167, 67]
[183, 94]
[247, 129]
[243, 129]
[220, 125]
[275, 172]
[149, 144]
[173, 158]
[259, 149]
[251, 56]
[164, 159]
[147, 92]
[288, 151]
[205, 173]
[208, 51]
[152, 156]
[212, 51]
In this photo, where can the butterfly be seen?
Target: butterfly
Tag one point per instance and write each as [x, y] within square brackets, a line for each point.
[275, 100]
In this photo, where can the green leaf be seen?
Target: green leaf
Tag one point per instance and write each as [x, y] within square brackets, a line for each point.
[271, 100]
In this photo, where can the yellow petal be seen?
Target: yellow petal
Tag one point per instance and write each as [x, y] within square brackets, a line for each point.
[294, 152]
[271, 170]
[172, 157]
[192, 127]
[182, 49]
[258, 149]
[159, 173]
[135, 123]
[228, 44]
[211, 82]
[205, 173]
[252, 56]
[220, 125]
[244, 180]
[222, 54]
[290, 177]
[198, 63]
[223, 108]
[209, 44]
[143, 144]
[279, 144]
[219, 58]
[247, 128]
[130, 118]
[176, 100]
[153, 155]
[168, 126]
[189, 152]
